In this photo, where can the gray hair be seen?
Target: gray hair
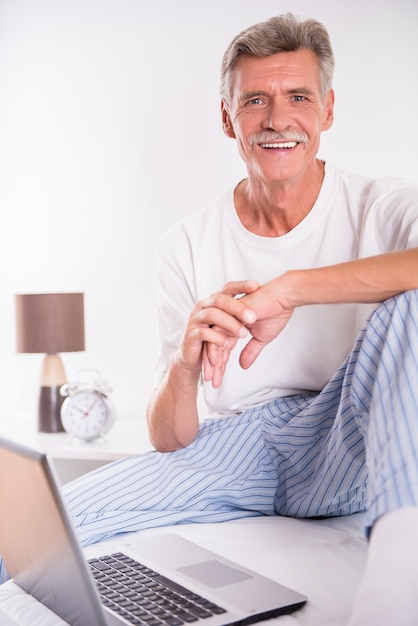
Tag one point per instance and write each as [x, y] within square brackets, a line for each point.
[282, 33]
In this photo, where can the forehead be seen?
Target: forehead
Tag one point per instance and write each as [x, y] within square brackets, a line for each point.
[289, 70]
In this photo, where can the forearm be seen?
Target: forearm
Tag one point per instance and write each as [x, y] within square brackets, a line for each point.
[368, 280]
[172, 413]
[372, 279]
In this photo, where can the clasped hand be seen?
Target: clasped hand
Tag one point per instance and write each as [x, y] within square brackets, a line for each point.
[241, 309]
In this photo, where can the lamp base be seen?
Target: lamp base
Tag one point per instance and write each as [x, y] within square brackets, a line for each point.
[50, 399]
[49, 414]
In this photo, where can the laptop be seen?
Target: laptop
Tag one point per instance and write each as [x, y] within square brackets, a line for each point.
[175, 581]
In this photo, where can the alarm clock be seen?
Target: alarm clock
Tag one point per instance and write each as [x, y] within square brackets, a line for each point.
[87, 411]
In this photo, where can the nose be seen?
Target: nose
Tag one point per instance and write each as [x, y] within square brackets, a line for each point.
[276, 116]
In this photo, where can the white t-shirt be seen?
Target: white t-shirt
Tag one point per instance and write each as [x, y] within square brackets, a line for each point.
[353, 217]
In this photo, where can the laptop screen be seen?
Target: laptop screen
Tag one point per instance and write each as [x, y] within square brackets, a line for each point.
[38, 546]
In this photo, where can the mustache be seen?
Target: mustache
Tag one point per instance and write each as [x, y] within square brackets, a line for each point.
[278, 137]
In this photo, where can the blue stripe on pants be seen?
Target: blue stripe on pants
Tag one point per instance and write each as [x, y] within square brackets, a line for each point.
[303, 456]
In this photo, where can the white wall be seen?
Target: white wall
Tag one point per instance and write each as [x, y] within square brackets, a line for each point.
[110, 132]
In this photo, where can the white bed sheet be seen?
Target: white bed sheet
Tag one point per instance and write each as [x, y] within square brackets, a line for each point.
[324, 559]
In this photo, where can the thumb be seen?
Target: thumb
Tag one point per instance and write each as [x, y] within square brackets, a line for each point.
[250, 353]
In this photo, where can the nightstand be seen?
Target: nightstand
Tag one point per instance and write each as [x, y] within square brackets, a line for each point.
[72, 457]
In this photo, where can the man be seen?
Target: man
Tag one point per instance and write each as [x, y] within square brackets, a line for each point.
[302, 423]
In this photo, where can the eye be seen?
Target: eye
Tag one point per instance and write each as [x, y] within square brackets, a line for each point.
[299, 98]
[253, 99]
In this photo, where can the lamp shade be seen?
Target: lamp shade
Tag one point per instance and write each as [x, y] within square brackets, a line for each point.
[50, 322]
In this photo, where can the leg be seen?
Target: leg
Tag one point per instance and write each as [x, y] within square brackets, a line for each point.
[225, 474]
[356, 442]
[362, 429]
[385, 392]
[388, 594]
[320, 453]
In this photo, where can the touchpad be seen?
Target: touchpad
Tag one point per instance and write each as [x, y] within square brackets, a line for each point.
[214, 573]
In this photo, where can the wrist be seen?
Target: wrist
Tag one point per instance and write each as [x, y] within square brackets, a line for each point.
[293, 288]
[181, 371]
[321, 285]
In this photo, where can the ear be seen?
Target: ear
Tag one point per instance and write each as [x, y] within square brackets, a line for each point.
[226, 121]
[328, 117]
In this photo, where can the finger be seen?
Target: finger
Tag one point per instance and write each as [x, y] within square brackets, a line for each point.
[227, 313]
[216, 351]
[227, 301]
[218, 374]
[212, 371]
[250, 353]
[207, 367]
[214, 360]
[215, 340]
[213, 353]
[218, 370]
[240, 287]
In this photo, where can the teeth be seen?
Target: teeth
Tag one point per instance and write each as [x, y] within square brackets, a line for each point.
[287, 144]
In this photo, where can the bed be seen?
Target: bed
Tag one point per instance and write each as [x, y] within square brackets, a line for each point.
[324, 559]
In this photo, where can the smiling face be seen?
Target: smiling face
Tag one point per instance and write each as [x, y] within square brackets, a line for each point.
[276, 113]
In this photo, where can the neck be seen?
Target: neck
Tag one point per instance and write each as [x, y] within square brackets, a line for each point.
[274, 209]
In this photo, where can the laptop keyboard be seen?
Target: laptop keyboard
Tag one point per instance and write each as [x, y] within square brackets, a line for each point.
[144, 597]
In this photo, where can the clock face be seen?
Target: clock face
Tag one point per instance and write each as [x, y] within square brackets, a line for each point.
[85, 414]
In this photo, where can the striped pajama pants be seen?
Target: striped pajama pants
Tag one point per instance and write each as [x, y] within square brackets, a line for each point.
[352, 447]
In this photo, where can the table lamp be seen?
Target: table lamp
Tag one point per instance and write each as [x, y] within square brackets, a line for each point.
[50, 323]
